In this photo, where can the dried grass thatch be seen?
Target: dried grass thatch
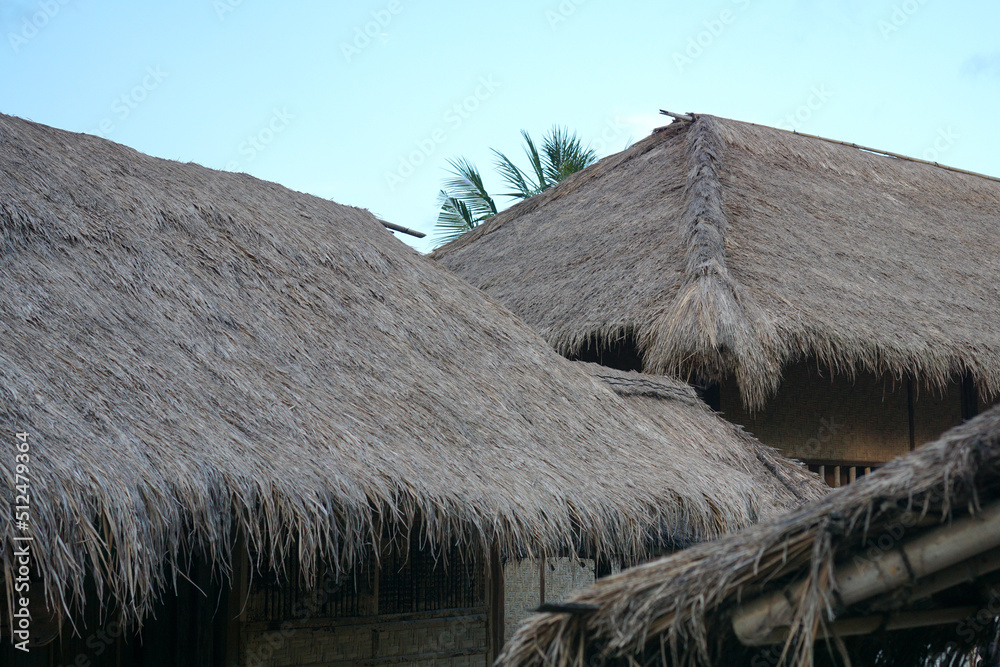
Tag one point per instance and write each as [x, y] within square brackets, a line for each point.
[678, 610]
[725, 249]
[197, 353]
[771, 483]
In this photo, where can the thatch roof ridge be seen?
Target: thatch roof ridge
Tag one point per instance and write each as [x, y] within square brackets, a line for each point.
[730, 250]
[712, 321]
[682, 604]
[199, 353]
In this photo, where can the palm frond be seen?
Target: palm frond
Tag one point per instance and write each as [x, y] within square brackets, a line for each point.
[536, 161]
[466, 185]
[565, 154]
[465, 203]
[515, 178]
[454, 219]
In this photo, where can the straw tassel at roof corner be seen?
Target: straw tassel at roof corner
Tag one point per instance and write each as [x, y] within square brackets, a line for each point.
[195, 351]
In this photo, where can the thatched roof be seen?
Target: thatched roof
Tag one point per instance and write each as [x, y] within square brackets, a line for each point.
[726, 249]
[680, 610]
[753, 470]
[197, 353]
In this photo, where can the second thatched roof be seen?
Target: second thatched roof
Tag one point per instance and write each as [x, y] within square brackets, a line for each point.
[728, 250]
[195, 353]
[752, 470]
[915, 544]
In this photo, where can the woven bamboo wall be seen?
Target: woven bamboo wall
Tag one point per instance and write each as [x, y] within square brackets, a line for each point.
[522, 585]
[563, 576]
[520, 591]
[866, 421]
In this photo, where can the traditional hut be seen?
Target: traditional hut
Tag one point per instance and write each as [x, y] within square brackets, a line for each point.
[837, 301]
[253, 428]
[900, 568]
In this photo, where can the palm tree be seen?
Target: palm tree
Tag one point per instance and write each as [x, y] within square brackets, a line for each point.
[465, 202]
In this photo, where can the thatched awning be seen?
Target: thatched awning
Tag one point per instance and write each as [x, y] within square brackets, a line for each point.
[912, 545]
[729, 250]
[195, 353]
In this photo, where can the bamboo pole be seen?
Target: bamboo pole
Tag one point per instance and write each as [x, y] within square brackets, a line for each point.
[877, 151]
[865, 625]
[859, 580]
[963, 573]
[402, 230]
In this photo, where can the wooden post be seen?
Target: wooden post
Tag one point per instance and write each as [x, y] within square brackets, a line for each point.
[911, 413]
[970, 397]
[541, 581]
[495, 618]
[237, 599]
[204, 603]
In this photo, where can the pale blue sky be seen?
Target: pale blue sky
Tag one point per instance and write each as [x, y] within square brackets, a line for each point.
[295, 92]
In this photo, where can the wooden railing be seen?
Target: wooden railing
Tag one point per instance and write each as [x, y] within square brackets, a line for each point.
[839, 473]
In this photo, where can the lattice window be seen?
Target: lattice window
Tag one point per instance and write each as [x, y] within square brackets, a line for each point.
[286, 597]
[418, 582]
[405, 583]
